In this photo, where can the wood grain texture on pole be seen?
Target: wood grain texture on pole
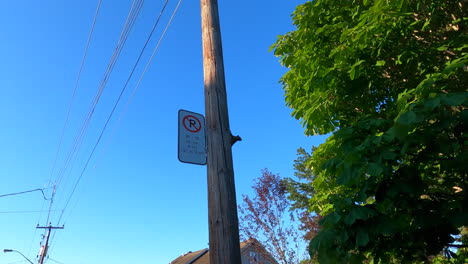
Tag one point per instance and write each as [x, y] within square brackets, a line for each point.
[222, 206]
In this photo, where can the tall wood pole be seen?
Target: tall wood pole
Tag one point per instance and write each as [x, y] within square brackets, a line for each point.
[222, 206]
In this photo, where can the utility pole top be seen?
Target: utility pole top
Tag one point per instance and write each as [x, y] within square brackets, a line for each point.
[50, 227]
[44, 248]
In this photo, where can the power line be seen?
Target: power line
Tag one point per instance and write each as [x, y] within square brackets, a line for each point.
[74, 89]
[117, 102]
[24, 212]
[96, 13]
[80, 135]
[141, 76]
[144, 71]
[104, 81]
[150, 60]
[76, 83]
[18, 193]
[123, 90]
[139, 80]
[21, 261]
[131, 18]
[129, 23]
[56, 261]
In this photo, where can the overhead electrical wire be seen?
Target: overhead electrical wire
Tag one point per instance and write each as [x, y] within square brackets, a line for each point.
[116, 103]
[18, 193]
[139, 81]
[24, 212]
[122, 92]
[153, 54]
[83, 60]
[131, 18]
[129, 23]
[136, 6]
[144, 71]
[56, 261]
[16, 262]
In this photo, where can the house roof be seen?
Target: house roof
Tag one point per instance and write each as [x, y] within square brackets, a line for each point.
[203, 256]
[244, 244]
[191, 257]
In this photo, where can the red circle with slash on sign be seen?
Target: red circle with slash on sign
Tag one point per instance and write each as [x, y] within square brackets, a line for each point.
[192, 124]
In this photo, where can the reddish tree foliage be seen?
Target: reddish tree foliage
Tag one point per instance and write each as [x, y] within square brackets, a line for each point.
[309, 224]
[267, 218]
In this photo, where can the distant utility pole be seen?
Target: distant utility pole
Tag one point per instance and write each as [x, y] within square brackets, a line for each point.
[222, 206]
[44, 248]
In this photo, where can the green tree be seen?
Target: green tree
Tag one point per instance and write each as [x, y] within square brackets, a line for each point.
[300, 191]
[388, 79]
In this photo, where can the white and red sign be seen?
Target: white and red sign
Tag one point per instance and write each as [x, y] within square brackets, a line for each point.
[192, 147]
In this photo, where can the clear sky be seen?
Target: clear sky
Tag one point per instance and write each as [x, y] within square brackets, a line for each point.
[136, 203]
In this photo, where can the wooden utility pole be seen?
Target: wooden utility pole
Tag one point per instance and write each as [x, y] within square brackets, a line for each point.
[44, 248]
[222, 206]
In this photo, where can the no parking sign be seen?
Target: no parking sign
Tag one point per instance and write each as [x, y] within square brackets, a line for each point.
[192, 147]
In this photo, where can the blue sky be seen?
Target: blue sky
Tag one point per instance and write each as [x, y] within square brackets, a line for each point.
[136, 203]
